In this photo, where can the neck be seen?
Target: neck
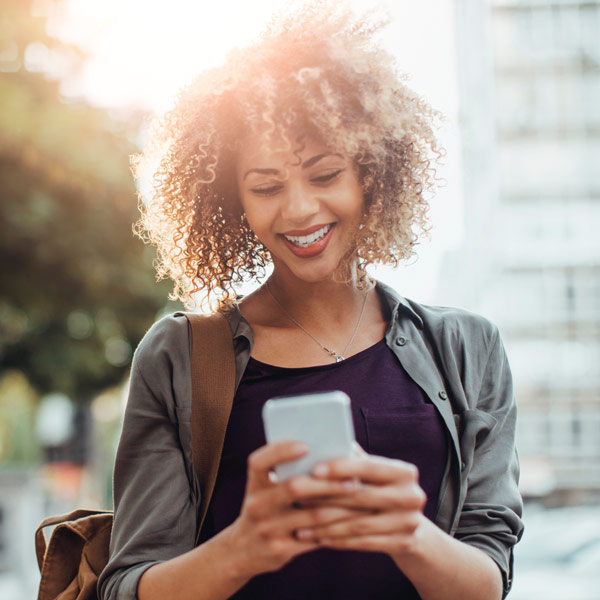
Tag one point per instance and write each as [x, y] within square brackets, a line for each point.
[317, 303]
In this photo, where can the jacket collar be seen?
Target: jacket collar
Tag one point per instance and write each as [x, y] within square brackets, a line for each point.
[396, 304]
[240, 328]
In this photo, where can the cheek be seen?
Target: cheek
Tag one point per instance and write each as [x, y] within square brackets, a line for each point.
[353, 205]
[259, 220]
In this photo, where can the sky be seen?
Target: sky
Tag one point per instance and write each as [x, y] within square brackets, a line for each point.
[142, 51]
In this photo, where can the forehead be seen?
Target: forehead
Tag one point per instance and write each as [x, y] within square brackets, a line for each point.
[256, 151]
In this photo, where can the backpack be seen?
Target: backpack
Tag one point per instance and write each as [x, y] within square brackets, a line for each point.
[78, 549]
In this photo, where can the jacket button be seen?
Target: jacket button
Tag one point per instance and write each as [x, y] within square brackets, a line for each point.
[400, 341]
[463, 466]
[443, 395]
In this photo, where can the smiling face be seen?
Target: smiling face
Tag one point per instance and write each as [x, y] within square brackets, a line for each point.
[305, 207]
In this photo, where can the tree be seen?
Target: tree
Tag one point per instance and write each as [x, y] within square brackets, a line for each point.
[77, 290]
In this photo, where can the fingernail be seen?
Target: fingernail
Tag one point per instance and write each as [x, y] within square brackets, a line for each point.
[304, 534]
[321, 470]
[350, 485]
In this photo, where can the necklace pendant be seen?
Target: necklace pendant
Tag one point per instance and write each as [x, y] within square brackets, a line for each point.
[338, 357]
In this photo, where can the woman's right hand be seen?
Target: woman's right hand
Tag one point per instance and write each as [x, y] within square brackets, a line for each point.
[264, 534]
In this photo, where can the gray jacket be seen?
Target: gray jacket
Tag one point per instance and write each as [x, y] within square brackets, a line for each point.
[456, 357]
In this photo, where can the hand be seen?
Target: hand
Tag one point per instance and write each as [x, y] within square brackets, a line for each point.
[265, 532]
[388, 493]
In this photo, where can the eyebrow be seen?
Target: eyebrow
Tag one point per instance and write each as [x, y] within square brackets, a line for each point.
[305, 165]
[315, 159]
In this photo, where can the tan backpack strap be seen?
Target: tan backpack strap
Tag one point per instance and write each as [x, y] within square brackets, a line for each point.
[213, 388]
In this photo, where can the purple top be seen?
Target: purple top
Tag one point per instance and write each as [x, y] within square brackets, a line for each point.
[392, 417]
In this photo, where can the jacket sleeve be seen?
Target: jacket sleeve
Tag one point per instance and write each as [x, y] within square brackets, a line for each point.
[490, 516]
[155, 491]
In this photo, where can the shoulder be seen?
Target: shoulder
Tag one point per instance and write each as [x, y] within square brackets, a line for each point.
[463, 341]
[456, 324]
[167, 342]
[463, 344]
[468, 345]
[441, 324]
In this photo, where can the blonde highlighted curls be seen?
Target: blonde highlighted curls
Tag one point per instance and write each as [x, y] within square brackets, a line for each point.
[316, 73]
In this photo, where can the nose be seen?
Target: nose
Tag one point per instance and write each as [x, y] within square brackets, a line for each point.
[299, 205]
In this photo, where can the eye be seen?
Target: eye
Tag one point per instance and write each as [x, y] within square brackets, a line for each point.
[327, 177]
[267, 189]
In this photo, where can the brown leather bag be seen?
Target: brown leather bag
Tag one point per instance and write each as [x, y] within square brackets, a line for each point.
[79, 545]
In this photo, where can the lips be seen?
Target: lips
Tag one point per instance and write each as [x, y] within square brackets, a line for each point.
[310, 242]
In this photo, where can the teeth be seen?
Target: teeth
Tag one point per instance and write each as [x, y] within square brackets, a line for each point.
[305, 241]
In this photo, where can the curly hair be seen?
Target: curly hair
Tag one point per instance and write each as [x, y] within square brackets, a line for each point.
[319, 72]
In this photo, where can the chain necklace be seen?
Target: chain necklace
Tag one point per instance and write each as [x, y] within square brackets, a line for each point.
[339, 357]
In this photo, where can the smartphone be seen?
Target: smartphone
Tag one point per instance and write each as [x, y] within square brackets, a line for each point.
[322, 421]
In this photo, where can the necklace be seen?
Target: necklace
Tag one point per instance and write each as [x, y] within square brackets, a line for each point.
[339, 357]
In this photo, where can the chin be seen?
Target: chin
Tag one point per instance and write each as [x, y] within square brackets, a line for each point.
[311, 273]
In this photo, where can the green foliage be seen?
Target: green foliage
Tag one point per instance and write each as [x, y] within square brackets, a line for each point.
[77, 290]
[18, 402]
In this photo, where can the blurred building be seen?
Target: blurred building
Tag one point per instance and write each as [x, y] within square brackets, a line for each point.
[21, 510]
[529, 75]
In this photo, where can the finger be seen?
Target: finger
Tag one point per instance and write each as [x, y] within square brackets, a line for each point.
[374, 469]
[289, 523]
[374, 524]
[330, 501]
[306, 487]
[267, 457]
[389, 544]
[380, 498]
[290, 494]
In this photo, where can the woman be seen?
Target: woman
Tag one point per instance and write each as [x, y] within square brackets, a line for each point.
[307, 151]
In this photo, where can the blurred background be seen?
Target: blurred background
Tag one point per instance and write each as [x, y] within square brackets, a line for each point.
[514, 237]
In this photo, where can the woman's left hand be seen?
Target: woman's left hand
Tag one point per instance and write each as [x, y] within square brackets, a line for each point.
[388, 499]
